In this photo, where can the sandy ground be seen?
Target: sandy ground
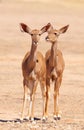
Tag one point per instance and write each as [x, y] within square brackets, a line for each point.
[14, 45]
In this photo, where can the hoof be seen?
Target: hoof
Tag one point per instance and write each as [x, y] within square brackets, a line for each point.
[44, 119]
[32, 119]
[19, 120]
[25, 119]
[57, 117]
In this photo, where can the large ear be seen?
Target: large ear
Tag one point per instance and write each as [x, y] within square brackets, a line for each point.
[25, 28]
[45, 28]
[63, 29]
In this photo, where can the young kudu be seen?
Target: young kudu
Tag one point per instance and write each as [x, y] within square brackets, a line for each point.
[54, 68]
[34, 69]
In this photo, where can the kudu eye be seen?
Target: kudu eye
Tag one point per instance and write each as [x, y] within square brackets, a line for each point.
[31, 34]
[55, 33]
[39, 34]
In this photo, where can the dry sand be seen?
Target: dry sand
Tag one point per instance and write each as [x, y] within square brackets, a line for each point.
[14, 45]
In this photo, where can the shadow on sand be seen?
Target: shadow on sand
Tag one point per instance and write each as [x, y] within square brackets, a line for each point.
[18, 120]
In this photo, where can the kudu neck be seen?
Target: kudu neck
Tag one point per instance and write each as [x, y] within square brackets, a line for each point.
[31, 62]
[53, 56]
[33, 49]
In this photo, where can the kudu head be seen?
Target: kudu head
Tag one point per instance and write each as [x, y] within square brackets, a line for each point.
[54, 33]
[35, 34]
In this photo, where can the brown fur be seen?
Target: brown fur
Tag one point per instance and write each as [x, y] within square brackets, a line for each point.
[54, 69]
[34, 70]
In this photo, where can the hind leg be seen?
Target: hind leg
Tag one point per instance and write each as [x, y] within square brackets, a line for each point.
[47, 98]
[24, 99]
[43, 90]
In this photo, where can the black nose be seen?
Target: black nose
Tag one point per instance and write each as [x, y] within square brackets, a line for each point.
[35, 43]
[47, 38]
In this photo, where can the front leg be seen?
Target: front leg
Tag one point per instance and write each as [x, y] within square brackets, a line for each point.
[47, 97]
[57, 114]
[33, 86]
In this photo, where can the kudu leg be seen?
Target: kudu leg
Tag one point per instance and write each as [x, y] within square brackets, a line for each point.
[31, 107]
[24, 99]
[30, 114]
[43, 90]
[56, 96]
[47, 97]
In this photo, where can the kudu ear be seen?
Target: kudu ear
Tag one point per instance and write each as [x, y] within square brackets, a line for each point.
[25, 28]
[63, 29]
[45, 28]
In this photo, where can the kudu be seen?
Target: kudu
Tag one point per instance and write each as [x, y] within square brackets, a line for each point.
[54, 69]
[33, 69]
